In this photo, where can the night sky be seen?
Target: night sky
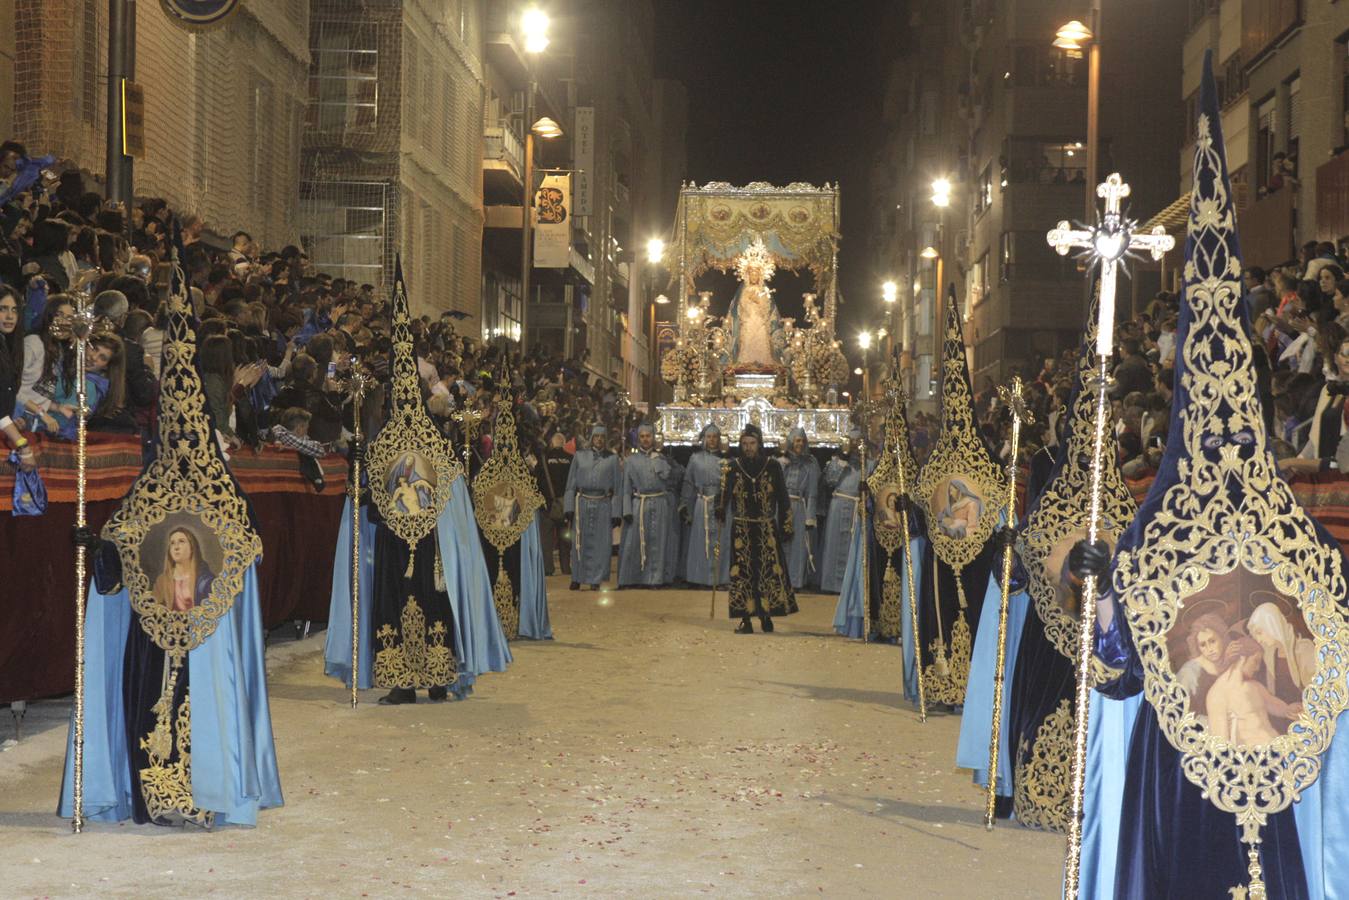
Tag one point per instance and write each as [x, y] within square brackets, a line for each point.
[784, 91]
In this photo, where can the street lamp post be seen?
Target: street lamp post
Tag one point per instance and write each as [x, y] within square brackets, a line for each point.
[655, 252]
[534, 28]
[889, 294]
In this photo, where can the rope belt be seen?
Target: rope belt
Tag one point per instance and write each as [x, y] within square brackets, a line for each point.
[810, 554]
[641, 520]
[576, 528]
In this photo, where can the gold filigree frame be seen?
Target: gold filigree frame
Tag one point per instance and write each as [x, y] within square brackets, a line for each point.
[188, 476]
[1230, 508]
[505, 467]
[1064, 507]
[409, 430]
[960, 452]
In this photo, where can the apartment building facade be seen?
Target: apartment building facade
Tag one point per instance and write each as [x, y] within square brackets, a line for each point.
[979, 97]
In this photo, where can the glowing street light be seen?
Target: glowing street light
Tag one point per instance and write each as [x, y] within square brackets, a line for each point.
[864, 340]
[1072, 36]
[534, 28]
[941, 192]
[889, 292]
[929, 252]
[547, 129]
[655, 250]
[661, 299]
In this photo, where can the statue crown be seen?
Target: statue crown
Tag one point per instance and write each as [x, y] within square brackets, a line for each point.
[757, 254]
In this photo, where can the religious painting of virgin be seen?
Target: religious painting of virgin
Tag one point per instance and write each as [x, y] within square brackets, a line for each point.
[180, 557]
[1244, 655]
[958, 506]
[411, 483]
[504, 505]
[889, 497]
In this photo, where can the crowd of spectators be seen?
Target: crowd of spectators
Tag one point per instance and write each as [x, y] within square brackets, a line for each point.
[1299, 319]
[277, 339]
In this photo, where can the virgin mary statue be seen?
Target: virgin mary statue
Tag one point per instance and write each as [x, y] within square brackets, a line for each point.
[757, 339]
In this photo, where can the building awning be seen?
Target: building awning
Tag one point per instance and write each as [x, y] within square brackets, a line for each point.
[1174, 218]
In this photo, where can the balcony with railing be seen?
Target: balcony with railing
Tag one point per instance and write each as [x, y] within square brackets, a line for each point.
[502, 164]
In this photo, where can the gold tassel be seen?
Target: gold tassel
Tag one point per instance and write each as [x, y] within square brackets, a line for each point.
[412, 560]
[503, 596]
[890, 617]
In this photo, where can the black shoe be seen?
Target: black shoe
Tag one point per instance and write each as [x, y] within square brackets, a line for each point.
[437, 694]
[398, 696]
[766, 623]
[745, 626]
[574, 587]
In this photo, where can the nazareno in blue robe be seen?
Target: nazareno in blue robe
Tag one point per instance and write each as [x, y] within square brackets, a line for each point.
[479, 643]
[1172, 840]
[848, 618]
[234, 772]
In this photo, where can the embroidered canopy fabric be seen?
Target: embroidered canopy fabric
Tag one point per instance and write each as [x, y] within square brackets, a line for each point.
[717, 222]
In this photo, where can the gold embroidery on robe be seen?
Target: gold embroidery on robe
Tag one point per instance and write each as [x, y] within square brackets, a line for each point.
[416, 658]
[944, 680]
[889, 624]
[1041, 798]
[166, 785]
[506, 602]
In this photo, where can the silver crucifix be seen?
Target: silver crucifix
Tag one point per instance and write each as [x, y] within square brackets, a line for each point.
[1109, 242]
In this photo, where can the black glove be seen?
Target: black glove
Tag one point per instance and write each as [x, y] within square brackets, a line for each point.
[83, 537]
[1004, 537]
[569, 518]
[905, 504]
[356, 450]
[1089, 559]
[627, 520]
[685, 516]
[721, 514]
[615, 521]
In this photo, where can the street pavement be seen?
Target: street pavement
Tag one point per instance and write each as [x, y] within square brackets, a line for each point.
[646, 752]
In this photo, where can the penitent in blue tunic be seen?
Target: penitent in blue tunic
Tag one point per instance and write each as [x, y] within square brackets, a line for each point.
[842, 480]
[594, 485]
[802, 473]
[702, 480]
[648, 518]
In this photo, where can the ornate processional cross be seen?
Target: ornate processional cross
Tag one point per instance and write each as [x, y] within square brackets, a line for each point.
[1108, 242]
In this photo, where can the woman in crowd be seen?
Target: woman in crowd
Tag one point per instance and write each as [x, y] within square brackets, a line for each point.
[11, 368]
[48, 359]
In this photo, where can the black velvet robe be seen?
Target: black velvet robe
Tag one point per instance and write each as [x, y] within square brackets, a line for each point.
[412, 625]
[756, 494]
